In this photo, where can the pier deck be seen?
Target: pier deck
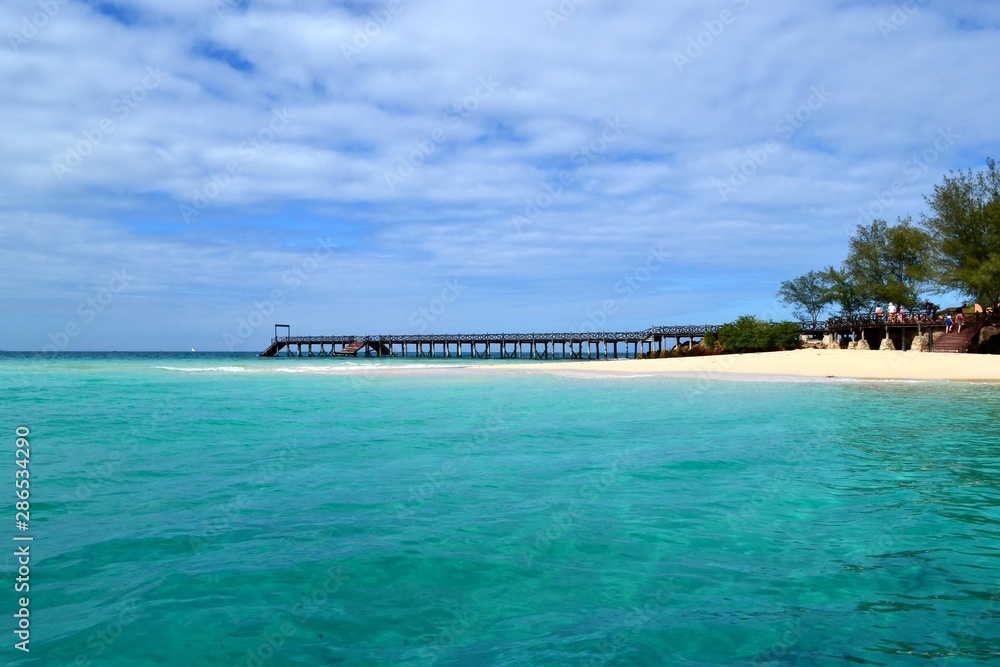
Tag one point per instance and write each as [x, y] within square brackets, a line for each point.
[566, 345]
[590, 345]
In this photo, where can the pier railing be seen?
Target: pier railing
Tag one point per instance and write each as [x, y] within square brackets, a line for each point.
[872, 320]
[535, 345]
[540, 345]
[669, 332]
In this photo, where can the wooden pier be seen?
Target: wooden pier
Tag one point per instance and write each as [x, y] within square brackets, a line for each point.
[598, 345]
[595, 345]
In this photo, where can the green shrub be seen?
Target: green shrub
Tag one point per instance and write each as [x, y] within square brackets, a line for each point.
[749, 334]
[785, 335]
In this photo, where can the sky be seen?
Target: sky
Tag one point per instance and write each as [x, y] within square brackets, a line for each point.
[184, 174]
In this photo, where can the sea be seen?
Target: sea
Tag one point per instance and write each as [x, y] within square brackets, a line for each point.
[227, 510]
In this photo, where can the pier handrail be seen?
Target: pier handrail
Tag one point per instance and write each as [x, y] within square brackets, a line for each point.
[667, 331]
[383, 343]
[871, 320]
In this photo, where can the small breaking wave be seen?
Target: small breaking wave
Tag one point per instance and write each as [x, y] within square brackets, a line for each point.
[207, 369]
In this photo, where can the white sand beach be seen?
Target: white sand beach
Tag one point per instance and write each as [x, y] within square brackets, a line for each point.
[873, 365]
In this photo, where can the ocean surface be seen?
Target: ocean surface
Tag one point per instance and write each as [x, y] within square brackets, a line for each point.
[224, 510]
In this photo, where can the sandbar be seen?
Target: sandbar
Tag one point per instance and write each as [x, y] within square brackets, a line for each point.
[808, 363]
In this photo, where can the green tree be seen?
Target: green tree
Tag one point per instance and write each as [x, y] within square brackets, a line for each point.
[965, 226]
[890, 263]
[808, 294]
[845, 292]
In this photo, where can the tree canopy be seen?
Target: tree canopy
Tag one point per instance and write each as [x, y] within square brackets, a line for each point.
[889, 263]
[808, 295]
[957, 248]
[884, 264]
[965, 227]
[844, 292]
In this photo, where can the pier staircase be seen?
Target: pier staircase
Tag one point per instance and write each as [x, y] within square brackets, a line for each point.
[272, 349]
[355, 346]
[351, 349]
[958, 341]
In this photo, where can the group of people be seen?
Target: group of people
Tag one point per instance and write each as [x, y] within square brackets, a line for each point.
[954, 323]
[901, 315]
[928, 314]
[953, 319]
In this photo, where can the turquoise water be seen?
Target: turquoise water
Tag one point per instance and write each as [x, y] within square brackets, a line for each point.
[226, 510]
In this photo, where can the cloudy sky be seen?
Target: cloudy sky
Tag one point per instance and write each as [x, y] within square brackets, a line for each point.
[185, 173]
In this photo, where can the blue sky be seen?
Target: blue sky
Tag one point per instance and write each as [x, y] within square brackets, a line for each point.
[185, 173]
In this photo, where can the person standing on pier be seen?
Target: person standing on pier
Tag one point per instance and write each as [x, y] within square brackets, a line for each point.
[892, 312]
[959, 318]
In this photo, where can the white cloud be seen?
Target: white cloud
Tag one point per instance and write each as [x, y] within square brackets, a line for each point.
[409, 96]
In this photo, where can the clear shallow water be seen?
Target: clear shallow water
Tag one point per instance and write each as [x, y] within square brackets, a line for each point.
[225, 510]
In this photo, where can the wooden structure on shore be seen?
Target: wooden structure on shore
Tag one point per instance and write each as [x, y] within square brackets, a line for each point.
[596, 345]
[902, 332]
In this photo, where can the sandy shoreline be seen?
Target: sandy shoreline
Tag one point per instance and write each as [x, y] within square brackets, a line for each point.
[843, 364]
